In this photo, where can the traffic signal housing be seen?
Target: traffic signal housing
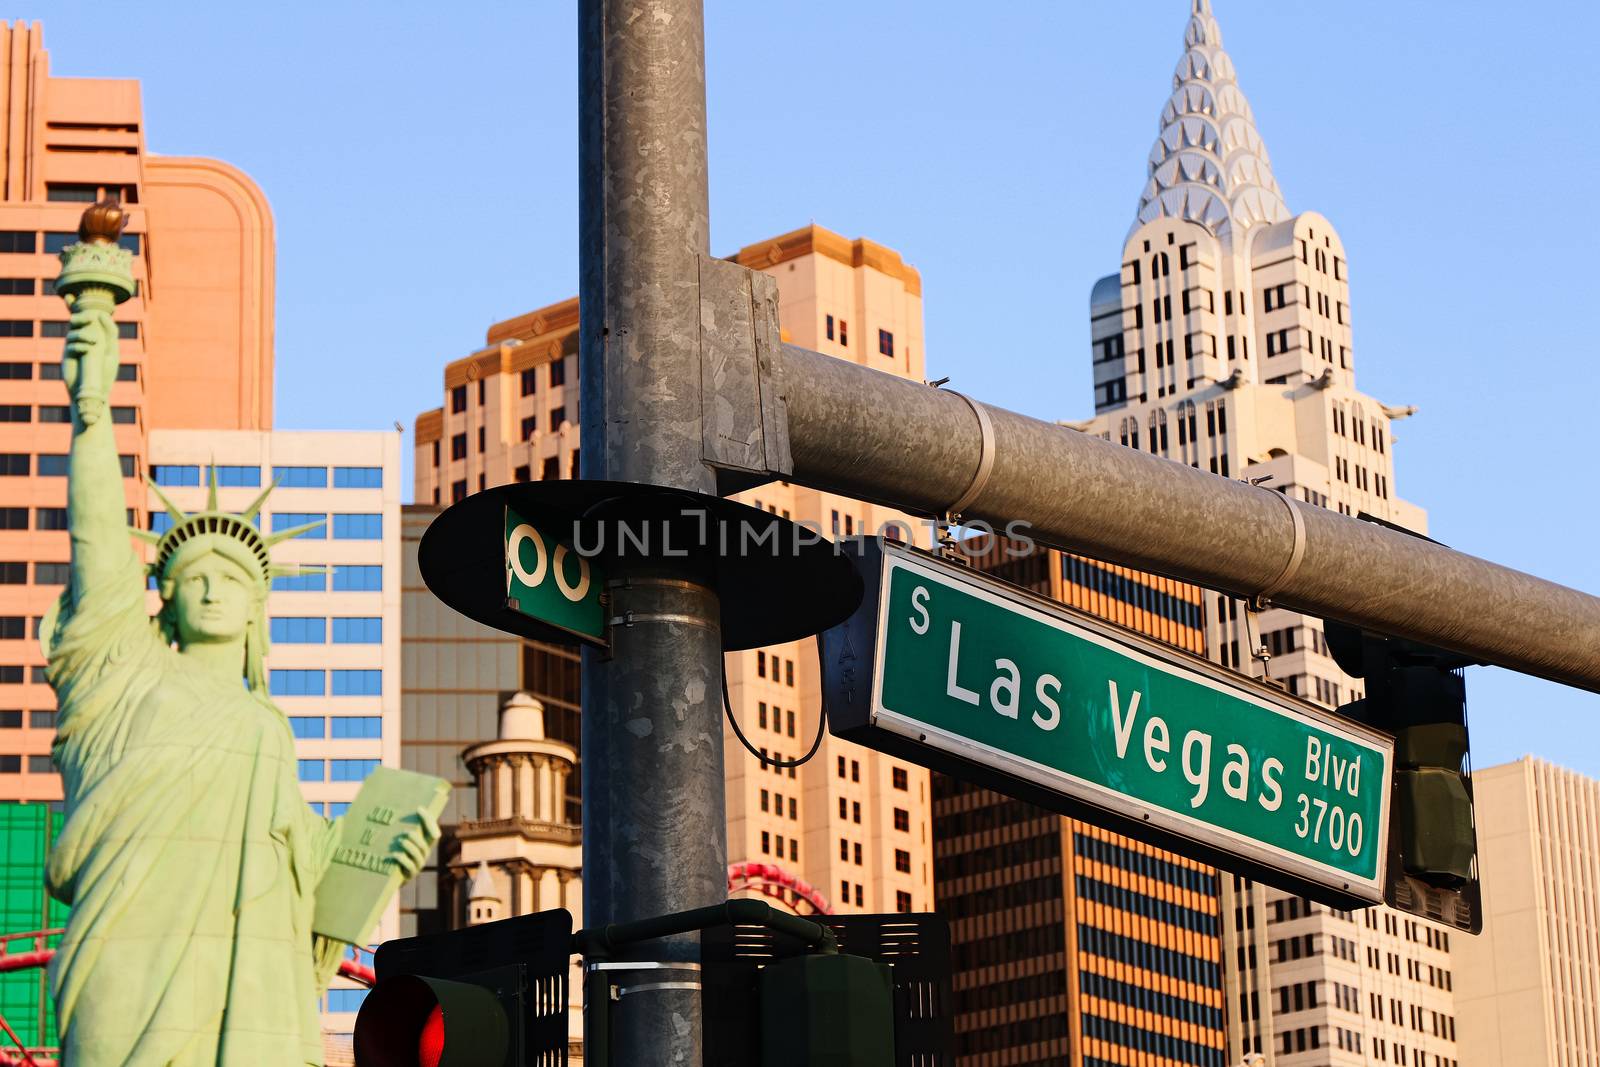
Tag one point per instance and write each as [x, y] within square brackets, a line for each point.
[1417, 693]
[493, 995]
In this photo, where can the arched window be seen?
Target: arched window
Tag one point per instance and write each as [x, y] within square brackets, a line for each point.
[1154, 437]
[1161, 424]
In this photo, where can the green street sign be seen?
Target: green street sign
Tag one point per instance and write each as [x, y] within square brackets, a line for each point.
[547, 580]
[967, 673]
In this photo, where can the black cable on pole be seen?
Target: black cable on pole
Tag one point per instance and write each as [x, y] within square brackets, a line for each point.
[822, 726]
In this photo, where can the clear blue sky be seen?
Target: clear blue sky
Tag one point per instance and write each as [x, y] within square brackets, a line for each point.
[422, 171]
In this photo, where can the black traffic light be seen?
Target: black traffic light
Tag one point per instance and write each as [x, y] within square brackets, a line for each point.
[1417, 693]
[488, 996]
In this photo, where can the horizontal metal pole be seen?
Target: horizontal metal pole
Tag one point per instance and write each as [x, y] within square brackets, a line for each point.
[900, 443]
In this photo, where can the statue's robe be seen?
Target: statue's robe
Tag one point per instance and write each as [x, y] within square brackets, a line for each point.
[189, 856]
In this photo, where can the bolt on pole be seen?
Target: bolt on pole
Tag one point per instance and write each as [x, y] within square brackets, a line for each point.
[654, 833]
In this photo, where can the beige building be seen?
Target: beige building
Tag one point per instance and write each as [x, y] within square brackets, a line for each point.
[333, 665]
[1224, 341]
[851, 824]
[1528, 989]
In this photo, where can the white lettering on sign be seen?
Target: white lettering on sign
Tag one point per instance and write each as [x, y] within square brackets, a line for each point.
[952, 687]
[1324, 765]
[1045, 682]
[572, 593]
[528, 578]
[919, 601]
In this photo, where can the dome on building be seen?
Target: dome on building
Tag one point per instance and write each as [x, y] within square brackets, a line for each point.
[522, 719]
[1208, 164]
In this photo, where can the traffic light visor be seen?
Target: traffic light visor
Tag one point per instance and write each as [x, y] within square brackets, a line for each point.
[411, 1021]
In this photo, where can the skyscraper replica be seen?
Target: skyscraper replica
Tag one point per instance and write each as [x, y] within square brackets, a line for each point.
[1528, 989]
[1224, 342]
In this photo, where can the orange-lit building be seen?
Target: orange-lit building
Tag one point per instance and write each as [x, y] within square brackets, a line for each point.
[852, 824]
[202, 236]
[1074, 945]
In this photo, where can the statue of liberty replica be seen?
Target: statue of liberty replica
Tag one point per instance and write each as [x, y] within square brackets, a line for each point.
[197, 874]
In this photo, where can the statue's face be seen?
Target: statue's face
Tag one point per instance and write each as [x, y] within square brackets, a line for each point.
[214, 599]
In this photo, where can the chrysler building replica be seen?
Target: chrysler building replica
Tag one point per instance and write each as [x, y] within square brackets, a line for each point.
[1224, 342]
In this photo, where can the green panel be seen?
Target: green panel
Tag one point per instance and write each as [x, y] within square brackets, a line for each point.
[26, 831]
[997, 678]
[547, 580]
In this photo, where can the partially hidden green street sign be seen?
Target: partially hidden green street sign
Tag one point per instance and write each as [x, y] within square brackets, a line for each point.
[547, 580]
[971, 675]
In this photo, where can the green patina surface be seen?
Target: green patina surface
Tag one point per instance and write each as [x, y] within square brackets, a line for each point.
[1088, 712]
[191, 862]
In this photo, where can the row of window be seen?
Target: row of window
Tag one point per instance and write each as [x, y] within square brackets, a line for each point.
[1129, 591]
[336, 727]
[336, 770]
[12, 674]
[55, 328]
[1136, 903]
[43, 519]
[1152, 1041]
[293, 682]
[346, 526]
[1141, 998]
[314, 630]
[333, 809]
[1141, 953]
[54, 241]
[345, 578]
[773, 803]
[170, 474]
[11, 719]
[10, 764]
[1142, 863]
[777, 718]
[51, 464]
[767, 843]
[51, 372]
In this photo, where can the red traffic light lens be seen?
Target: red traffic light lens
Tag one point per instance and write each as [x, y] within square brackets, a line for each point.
[402, 1024]
[430, 1046]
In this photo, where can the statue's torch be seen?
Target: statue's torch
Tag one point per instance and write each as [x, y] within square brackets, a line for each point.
[96, 275]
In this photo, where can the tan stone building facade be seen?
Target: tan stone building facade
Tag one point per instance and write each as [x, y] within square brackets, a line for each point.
[1224, 341]
[852, 825]
[1528, 989]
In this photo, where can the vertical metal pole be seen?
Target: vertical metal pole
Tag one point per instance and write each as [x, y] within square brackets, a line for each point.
[654, 831]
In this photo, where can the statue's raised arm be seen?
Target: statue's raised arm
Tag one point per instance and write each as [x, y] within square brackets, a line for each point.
[96, 275]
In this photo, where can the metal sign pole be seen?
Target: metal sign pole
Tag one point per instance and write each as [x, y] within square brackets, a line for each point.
[654, 836]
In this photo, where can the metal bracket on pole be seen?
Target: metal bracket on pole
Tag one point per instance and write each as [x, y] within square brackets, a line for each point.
[745, 426]
[980, 478]
[1263, 600]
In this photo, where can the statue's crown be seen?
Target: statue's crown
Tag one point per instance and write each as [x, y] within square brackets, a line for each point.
[213, 520]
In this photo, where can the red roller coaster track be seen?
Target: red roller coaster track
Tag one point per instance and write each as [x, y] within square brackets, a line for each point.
[22, 952]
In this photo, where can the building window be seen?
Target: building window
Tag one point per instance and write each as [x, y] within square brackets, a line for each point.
[49, 518]
[558, 417]
[458, 491]
[899, 779]
[902, 819]
[296, 683]
[16, 412]
[529, 425]
[301, 583]
[284, 520]
[551, 469]
[16, 328]
[483, 439]
[855, 770]
[357, 683]
[365, 630]
[302, 477]
[308, 727]
[311, 770]
[358, 527]
[350, 770]
[358, 477]
[530, 381]
[16, 371]
[829, 326]
[356, 727]
[358, 578]
[859, 903]
[902, 861]
[458, 399]
[558, 373]
[294, 630]
[18, 241]
[13, 573]
[458, 446]
[885, 343]
[844, 333]
[233, 476]
[902, 900]
[856, 849]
